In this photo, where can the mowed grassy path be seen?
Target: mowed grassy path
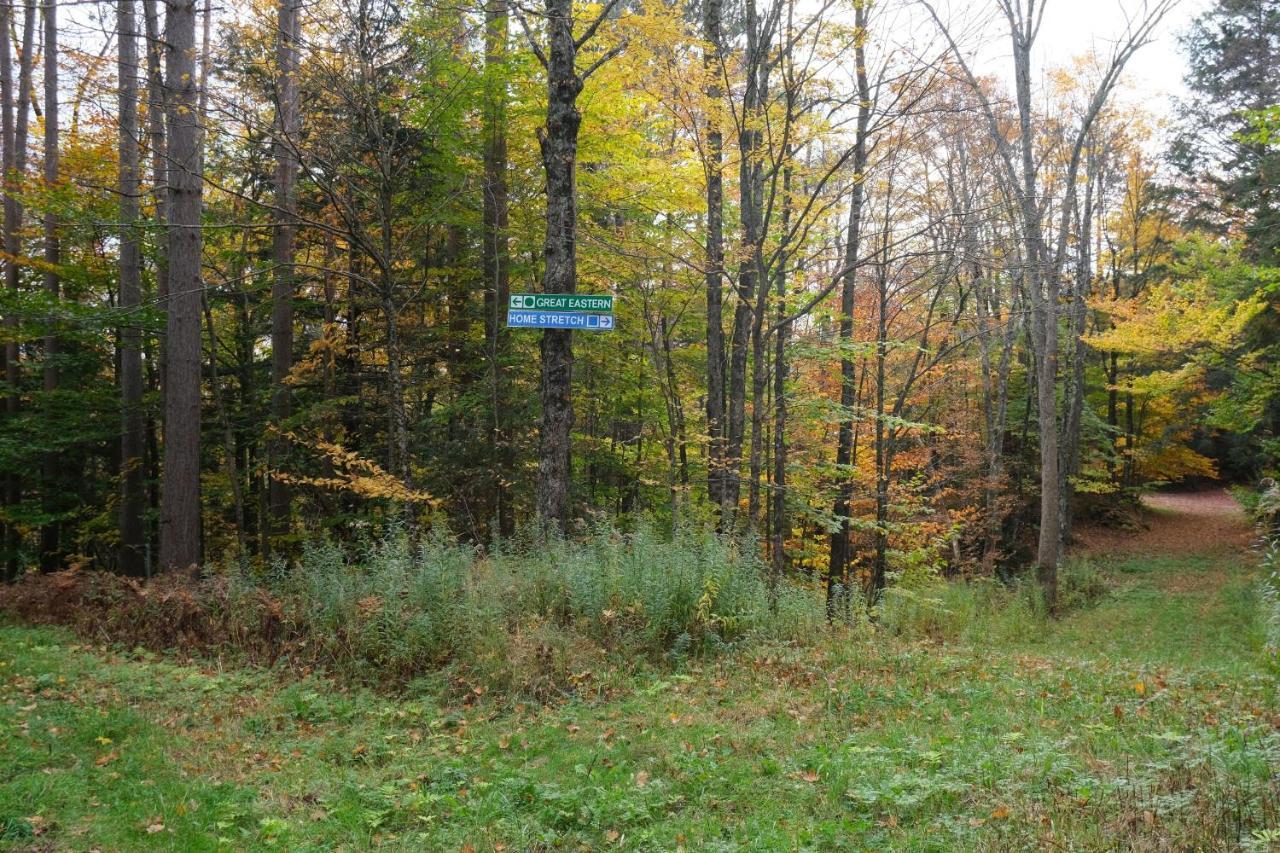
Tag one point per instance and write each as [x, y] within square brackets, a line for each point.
[1146, 721]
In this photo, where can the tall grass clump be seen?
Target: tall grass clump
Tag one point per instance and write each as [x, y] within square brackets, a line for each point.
[394, 609]
[652, 593]
[987, 610]
[1269, 601]
[980, 611]
[1266, 512]
[532, 612]
[533, 615]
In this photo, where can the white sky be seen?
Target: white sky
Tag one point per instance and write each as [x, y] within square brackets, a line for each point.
[1153, 78]
[1155, 72]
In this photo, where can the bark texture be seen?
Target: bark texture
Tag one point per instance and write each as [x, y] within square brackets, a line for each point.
[133, 437]
[714, 260]
[559, 145]
[496, 257]
[180, 498]
[54, 487]
[282, 251]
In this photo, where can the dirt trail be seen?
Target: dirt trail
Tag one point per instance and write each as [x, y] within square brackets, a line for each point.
[1208, 522]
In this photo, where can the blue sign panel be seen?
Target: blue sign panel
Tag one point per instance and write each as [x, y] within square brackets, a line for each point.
[559, 320]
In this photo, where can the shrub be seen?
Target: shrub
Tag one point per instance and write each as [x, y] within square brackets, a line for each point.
[1080, 585]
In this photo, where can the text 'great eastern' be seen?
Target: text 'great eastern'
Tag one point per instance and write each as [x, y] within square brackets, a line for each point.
[561, 302]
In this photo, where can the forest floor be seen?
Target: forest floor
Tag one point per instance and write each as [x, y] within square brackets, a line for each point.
[1145, 720]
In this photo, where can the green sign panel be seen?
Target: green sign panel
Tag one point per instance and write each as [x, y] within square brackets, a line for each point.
[561, 302]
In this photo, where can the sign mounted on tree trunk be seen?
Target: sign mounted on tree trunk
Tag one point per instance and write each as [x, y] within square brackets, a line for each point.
[560, 311]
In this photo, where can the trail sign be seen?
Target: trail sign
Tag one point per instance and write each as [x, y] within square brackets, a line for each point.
[519, 319]
[602, 304]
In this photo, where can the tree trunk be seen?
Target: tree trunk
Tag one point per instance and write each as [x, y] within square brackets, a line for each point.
[714, 260]
[838, 564]
[760, 375]
[1042, 285]
[496, 259]
[12, 487]
[282, 255]
[880, 560]
[53, 486]
[397, 417]
[559, 146]
[156, 144]
[133, 437]
[778, 514]
[14, 132]
[1078, 316]
[750, 192]
[180, 499]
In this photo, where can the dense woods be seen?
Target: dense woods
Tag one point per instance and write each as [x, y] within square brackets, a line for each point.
[640, 425]
[881, 310]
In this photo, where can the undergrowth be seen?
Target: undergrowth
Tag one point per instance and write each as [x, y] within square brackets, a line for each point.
[1265, 508]
[533, 619]
[987, 610]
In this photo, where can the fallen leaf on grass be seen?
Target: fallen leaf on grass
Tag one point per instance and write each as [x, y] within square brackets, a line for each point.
[642, 778]
[1000, 813]
[104, 760]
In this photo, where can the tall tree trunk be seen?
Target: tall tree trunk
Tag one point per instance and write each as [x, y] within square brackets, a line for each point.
[397, 417]
[180, 499]
[559, 145]
[54, 485]
[12, 488]
[156, 145]
[714, 259]
[159, 191]
[677, 439]
[838, 564]
[1078, 316]
[880, 559]
[496, 258]
[1042, 285]
[13, 129]
[133, 436]
[750, 192]
[778, 514]
[760, 375]
[282, 253]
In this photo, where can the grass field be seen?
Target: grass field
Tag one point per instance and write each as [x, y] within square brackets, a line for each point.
[1146, 720]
